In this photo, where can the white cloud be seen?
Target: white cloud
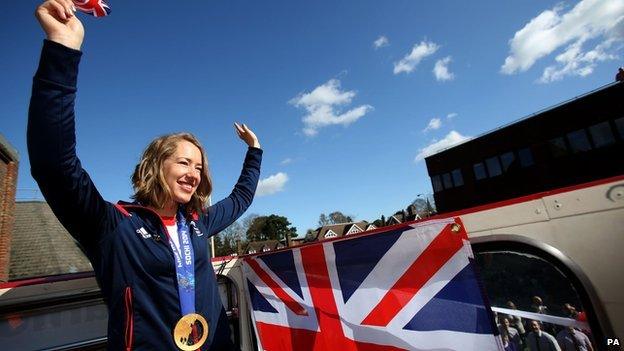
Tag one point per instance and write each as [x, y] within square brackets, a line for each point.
[451, 139]
[286, 161]
[381, 42]
[321, 105]
[272, 184]
[441, 70]
[589, 20]
[451, 115]
[411, 60]
[434, 123]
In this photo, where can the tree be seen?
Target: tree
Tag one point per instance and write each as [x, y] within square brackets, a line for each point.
[272, 227]
[335, 217]
[225, 241]
[310, 235]
[423, 205]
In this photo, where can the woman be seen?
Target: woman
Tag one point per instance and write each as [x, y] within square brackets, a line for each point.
[150, 257]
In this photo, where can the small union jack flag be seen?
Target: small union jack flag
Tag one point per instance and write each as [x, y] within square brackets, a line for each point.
[97, 8]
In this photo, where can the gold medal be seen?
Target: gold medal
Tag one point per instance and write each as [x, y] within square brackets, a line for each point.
[183, 332]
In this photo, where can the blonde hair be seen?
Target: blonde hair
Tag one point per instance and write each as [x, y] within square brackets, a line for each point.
[148, 180]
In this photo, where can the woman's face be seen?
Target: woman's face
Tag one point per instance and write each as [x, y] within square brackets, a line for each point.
[182, 172]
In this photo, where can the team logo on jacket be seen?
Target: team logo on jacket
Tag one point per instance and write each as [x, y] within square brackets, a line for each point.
[195, 229]
[141, 231]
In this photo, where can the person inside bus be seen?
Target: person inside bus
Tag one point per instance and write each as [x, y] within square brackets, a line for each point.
[151, 257]
[506, 330]
[516, 321]
[539, 340]
[571, 339]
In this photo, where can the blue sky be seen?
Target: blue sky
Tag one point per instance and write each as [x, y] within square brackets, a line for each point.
[345, 96]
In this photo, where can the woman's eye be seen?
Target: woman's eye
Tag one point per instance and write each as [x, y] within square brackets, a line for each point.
[183, 163]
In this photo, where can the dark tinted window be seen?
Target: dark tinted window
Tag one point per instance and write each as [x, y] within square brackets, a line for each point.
[437, 183]
[526, 157]
[578, 141]
[493, 166]
[446, 179]
[557, 147]
[619, 125]
[507, 159]
[457, 177]
[601, 134]
[479, 171]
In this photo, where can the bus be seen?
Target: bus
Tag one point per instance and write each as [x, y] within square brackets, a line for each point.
[542, 200]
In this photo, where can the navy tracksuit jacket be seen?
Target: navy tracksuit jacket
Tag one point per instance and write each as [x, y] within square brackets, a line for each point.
[126, 244]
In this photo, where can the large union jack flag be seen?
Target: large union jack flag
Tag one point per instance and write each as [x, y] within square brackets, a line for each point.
[411, 287]
[97, 8]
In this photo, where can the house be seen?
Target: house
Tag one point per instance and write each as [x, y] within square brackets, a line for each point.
[263, 246]
[32, 241]
[342, 229]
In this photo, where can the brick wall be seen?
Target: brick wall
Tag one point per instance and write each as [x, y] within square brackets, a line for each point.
[8, 183]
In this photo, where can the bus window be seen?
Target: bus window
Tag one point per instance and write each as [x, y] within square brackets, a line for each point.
[578, 141]
[493, 166]
[557, 147]
[517, 280]
[507, 159]
[619, 124]
[479, 171]
[601, 134]
[437, 183]
[525, 156]
[458, 180]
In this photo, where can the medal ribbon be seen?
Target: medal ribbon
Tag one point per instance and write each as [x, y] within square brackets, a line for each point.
[184, 265]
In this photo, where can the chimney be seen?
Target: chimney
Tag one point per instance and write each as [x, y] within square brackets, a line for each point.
[8, 182]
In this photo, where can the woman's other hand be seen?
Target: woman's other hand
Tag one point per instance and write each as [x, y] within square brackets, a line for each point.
[58, 20]
[247, 135]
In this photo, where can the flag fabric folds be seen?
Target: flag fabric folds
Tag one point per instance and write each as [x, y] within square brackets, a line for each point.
[97, 8]
[408, 287]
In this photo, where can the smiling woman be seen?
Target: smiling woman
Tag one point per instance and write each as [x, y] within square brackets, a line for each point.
[150, 257]
[173, 169]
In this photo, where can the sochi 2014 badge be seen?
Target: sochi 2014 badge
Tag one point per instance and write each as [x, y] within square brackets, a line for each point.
[190, 332]
[96, 8]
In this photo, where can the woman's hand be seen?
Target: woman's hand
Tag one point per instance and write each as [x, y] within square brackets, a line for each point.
[60, 24]
[247, 135]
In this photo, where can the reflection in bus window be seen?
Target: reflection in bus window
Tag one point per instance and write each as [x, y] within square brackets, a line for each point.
[619, 124]
[524, 282]
[525, 156]
[601, 134]
[493, 166]
[458, 180]
[479, 171]
[437, 183]
[557, 147]
[507, 160]
[448, 183]
[578, 141]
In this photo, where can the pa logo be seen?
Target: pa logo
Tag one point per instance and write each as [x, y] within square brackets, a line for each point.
[613, 342]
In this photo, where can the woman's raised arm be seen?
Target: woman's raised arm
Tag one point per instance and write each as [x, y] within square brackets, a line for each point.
[51, 138]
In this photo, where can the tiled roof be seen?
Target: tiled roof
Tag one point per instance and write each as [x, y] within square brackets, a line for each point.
[40, 245]
[340, 229]
[259, 246]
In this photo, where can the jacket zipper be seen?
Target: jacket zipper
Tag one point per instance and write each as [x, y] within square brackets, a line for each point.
[129, 334]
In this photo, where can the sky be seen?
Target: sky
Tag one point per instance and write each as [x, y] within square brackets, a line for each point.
[346, 97]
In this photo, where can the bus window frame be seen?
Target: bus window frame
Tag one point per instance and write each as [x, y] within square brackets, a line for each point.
[596, 316]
